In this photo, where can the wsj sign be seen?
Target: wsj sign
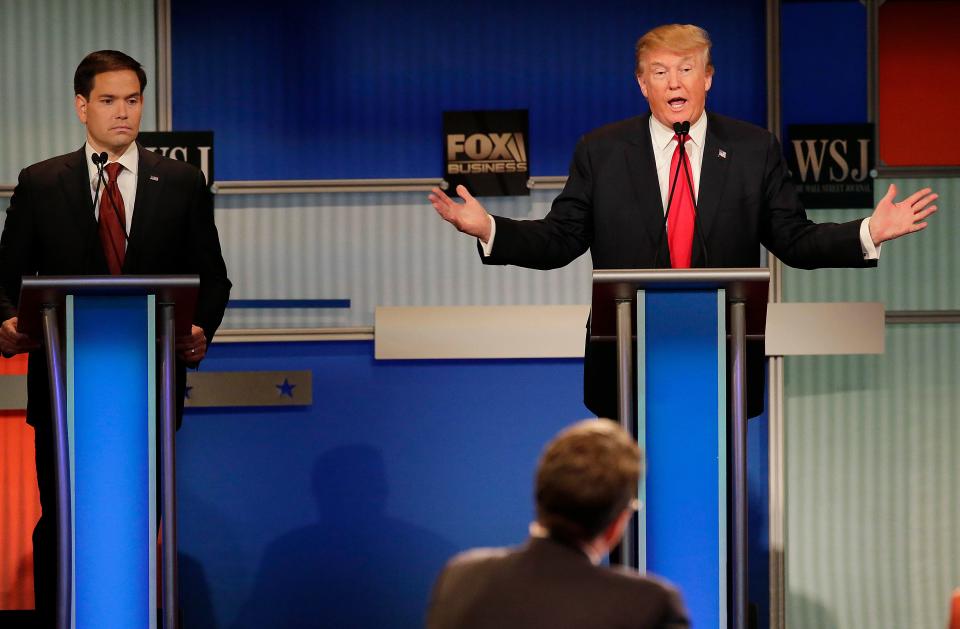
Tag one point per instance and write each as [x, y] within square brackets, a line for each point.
[486, 151]
[194, 147]
[832, 164]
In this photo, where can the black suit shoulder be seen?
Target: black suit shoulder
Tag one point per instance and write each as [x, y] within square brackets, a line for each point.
[753, 144]
[630, 129]
[48, 171]
[545, 583]
[636, 128]
[735, 128]
[172, 170]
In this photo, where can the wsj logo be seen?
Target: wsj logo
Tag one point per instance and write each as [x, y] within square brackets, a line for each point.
[811, 156]
[199, 156]
[486, 153]
[832, 164]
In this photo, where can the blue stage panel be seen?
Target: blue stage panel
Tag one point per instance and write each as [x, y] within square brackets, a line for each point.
[682, 376]
[109, 368]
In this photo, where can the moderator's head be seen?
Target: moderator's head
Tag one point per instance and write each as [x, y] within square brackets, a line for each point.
[587, 475]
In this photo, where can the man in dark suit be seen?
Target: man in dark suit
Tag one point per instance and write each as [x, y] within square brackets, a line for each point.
[586, 488]
[149, 215]
[725, 195]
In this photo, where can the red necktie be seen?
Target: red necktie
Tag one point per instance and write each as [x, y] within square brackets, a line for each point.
[680, 222]
[113, 221]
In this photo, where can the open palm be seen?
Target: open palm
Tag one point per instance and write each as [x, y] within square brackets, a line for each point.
[892, 219]
[469, 217]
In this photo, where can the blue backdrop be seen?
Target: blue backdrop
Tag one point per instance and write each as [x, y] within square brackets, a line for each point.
[346, 510]
[332, 90]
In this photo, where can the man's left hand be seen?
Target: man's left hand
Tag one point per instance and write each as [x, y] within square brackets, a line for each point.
[191, 348]
[893, 219]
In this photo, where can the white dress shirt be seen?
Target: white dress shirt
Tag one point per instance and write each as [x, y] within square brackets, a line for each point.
[664, 144]
[126, 181]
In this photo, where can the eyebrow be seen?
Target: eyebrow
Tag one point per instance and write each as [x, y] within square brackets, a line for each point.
[124, 97]
[687, 59]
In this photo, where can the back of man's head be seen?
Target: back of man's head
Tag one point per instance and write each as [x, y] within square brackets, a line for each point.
[587, 476]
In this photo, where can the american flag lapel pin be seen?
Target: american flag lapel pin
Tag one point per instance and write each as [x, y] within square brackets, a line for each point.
[722, 154]
[154, 178]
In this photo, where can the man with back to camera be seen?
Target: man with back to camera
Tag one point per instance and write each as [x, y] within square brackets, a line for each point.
[586, 491]
[149, 216]
[727, 193]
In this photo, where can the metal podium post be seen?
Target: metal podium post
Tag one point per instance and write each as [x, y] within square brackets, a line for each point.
[61, 450]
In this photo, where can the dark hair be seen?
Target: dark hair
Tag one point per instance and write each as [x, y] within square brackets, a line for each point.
[586, 477]
[104, 61]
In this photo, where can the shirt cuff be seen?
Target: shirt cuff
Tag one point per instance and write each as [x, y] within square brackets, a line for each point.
[488, 246]
[870, 250]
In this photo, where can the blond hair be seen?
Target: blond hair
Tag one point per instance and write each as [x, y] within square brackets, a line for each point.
[678, 38]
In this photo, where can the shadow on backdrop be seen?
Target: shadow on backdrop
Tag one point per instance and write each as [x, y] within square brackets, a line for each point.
[356, 567]
[804, 612]
[197, 609]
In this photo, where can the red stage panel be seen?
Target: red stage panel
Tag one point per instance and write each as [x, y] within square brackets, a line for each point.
[19, 501]
[918, 59]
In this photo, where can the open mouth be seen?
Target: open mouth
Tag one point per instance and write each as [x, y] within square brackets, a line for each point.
[677, 104]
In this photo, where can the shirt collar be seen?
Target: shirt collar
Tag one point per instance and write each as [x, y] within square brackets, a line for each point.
[130, 160]
[661, 135]
[539, 531]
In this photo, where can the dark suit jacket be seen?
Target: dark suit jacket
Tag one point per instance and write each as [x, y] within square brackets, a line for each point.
[545, 583]
[51, 229]
[611, 205]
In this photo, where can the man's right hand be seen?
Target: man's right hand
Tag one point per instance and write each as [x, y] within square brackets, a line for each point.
[13, 342]
[469, 217]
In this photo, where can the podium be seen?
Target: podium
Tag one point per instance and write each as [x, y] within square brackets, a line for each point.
[106, 339]
[689, 328]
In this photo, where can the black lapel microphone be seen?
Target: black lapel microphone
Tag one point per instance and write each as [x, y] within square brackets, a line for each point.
[101, 161]
[680, 129]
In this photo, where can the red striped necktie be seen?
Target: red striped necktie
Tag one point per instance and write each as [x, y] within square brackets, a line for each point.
[112, 224]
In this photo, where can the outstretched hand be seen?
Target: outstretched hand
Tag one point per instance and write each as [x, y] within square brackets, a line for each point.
[469, 217]
[892, 219]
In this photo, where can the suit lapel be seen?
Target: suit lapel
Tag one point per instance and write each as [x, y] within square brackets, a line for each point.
[713, 177]
[144, 207]
[642, 170]
[75, 182]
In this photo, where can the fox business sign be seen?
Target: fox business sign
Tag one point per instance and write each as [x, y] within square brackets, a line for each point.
[193, 147]
[832, 164]
[487, 151]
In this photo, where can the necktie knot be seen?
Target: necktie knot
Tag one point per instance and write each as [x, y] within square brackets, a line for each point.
[677, 136]
[113, 171]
